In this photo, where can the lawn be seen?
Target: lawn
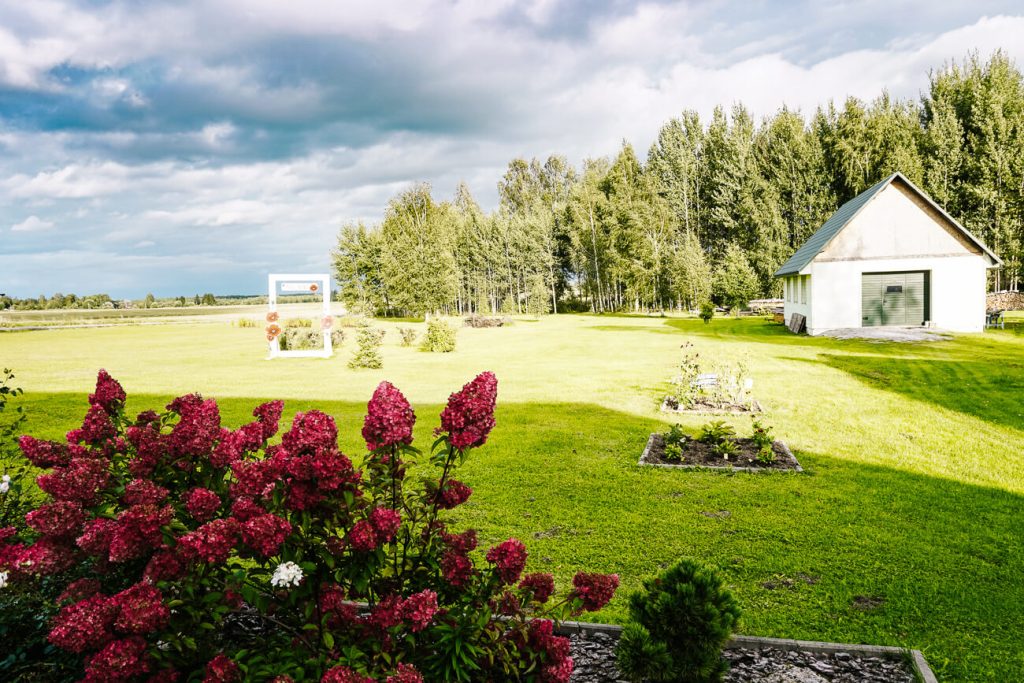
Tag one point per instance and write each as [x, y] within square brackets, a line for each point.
[907, 528]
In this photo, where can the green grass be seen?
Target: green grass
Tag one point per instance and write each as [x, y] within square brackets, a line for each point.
[914, 458]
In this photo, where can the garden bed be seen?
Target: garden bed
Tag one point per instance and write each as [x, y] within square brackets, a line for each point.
[761, 660]
[697, 455]
[669, 405]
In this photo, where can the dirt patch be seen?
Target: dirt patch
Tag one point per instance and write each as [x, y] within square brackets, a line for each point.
[669, 405]
[866, 603]
[697, 454]
[789, 582]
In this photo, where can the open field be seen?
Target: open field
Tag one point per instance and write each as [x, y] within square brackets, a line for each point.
[907, 529]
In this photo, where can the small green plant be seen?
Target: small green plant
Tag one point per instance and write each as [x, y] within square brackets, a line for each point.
[715, 432]
[408, 335]
[672, 452]
[707, 312]
[367, 355]
[675, 435]
[766, 455]
[440, 337]
[678, 625]
[248, 322]
[298, 322]
[761, 435]
[725, 448]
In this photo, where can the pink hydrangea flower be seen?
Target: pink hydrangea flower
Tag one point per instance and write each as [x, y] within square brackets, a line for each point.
[509, 558]
[265, 533]
[202, 503]
[453, 494]
[419, 609]
[362, 537]
[59, 519]
[221, 669]
[121, 660]
[596, 590]
[469, 416]
[541, 586]
[343, 674]
[389, 418]
[385, 523]
[109, 394]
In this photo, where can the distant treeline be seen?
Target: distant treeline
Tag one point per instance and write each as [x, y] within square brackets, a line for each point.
[61, 301]
[712, 199]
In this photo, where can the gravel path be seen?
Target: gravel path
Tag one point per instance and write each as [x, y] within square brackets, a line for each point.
[594, 658]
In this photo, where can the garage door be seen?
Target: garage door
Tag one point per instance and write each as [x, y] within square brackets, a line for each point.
[894, 298]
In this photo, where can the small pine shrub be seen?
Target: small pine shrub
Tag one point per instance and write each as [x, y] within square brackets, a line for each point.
[367, 355]
[707, 311]
[408, 335]
[440, 337]
[679, 624]
[716, 432]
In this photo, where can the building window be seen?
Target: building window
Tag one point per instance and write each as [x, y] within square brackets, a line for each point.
[805, 280]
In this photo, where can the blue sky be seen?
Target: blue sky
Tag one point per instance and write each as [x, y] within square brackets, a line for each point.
[182, 147]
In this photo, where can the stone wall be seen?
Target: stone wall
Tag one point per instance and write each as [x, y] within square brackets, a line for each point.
[1004, 301]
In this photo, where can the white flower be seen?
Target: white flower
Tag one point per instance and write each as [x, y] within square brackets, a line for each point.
[286, 574]
[6, 479]
[3, 576]
[5, 486]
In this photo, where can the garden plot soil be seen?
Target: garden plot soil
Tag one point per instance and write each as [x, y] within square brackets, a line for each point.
[669, 405]
[697, 454]
[594, 658]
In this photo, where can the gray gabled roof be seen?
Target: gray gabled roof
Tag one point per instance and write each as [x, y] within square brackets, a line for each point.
[841, 218]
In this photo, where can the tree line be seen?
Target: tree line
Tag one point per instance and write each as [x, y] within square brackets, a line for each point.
[710, 213]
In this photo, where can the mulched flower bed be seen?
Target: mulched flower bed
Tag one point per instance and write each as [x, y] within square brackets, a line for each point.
[697, 454]
[670, 405]
[594, 662]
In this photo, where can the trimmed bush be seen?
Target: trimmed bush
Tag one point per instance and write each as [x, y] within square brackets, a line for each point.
[368, 342]
[298, 322]
[440, 337]
[680, 622]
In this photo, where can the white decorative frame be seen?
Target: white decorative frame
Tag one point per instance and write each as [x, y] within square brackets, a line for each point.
[314, 282]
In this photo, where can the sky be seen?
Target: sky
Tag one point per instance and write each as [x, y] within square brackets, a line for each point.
[195, 146]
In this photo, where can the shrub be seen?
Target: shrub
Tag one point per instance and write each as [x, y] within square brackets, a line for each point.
[166, 531]
[368, 342]
[247, 322]
[672, 452]
[440, 337]
[725, 448]
[297, 339]
[678, 625]
[408, 335]
[707, 311]
[715, 432]
[720, 385]
[298, 322]
[675, 435]
[761, 435]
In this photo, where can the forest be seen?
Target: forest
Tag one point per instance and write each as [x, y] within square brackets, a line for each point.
[710, 213]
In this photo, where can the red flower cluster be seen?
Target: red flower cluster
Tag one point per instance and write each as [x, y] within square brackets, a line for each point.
[201, 503]
[44, 454]
[596, 590]
[557, 662]
[456, 566]
[109, 394]
[137, 531]
[509, 558]
[362, 537]
[94, 621]
[389, 418]
[45, 557]
[221, 669]
[385, 523]
[343, 674]
[96, 428]
[265, 533]
[78, 481]
[334, 602]
[211, 543]
[419, 609]
[79, 590]
[268, 415]
[406, 673]
[387, 613]
[453, 494]
[165, 565]
[60, 519]
[121, 660]
[310, 432]
[469, 416]
[541, 586]
[144, 492]
[196, 432]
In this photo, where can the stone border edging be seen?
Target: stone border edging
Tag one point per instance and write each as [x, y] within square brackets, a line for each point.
[715, 468]
[916, 658]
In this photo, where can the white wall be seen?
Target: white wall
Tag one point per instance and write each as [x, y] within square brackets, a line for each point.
[793, 303]
[957, 291]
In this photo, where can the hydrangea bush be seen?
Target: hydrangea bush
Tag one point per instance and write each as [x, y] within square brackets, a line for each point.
[168, 531]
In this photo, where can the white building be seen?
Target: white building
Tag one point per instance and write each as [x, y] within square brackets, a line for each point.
[889, 256]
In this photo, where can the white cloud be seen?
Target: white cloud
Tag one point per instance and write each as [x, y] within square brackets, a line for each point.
[31, 224]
